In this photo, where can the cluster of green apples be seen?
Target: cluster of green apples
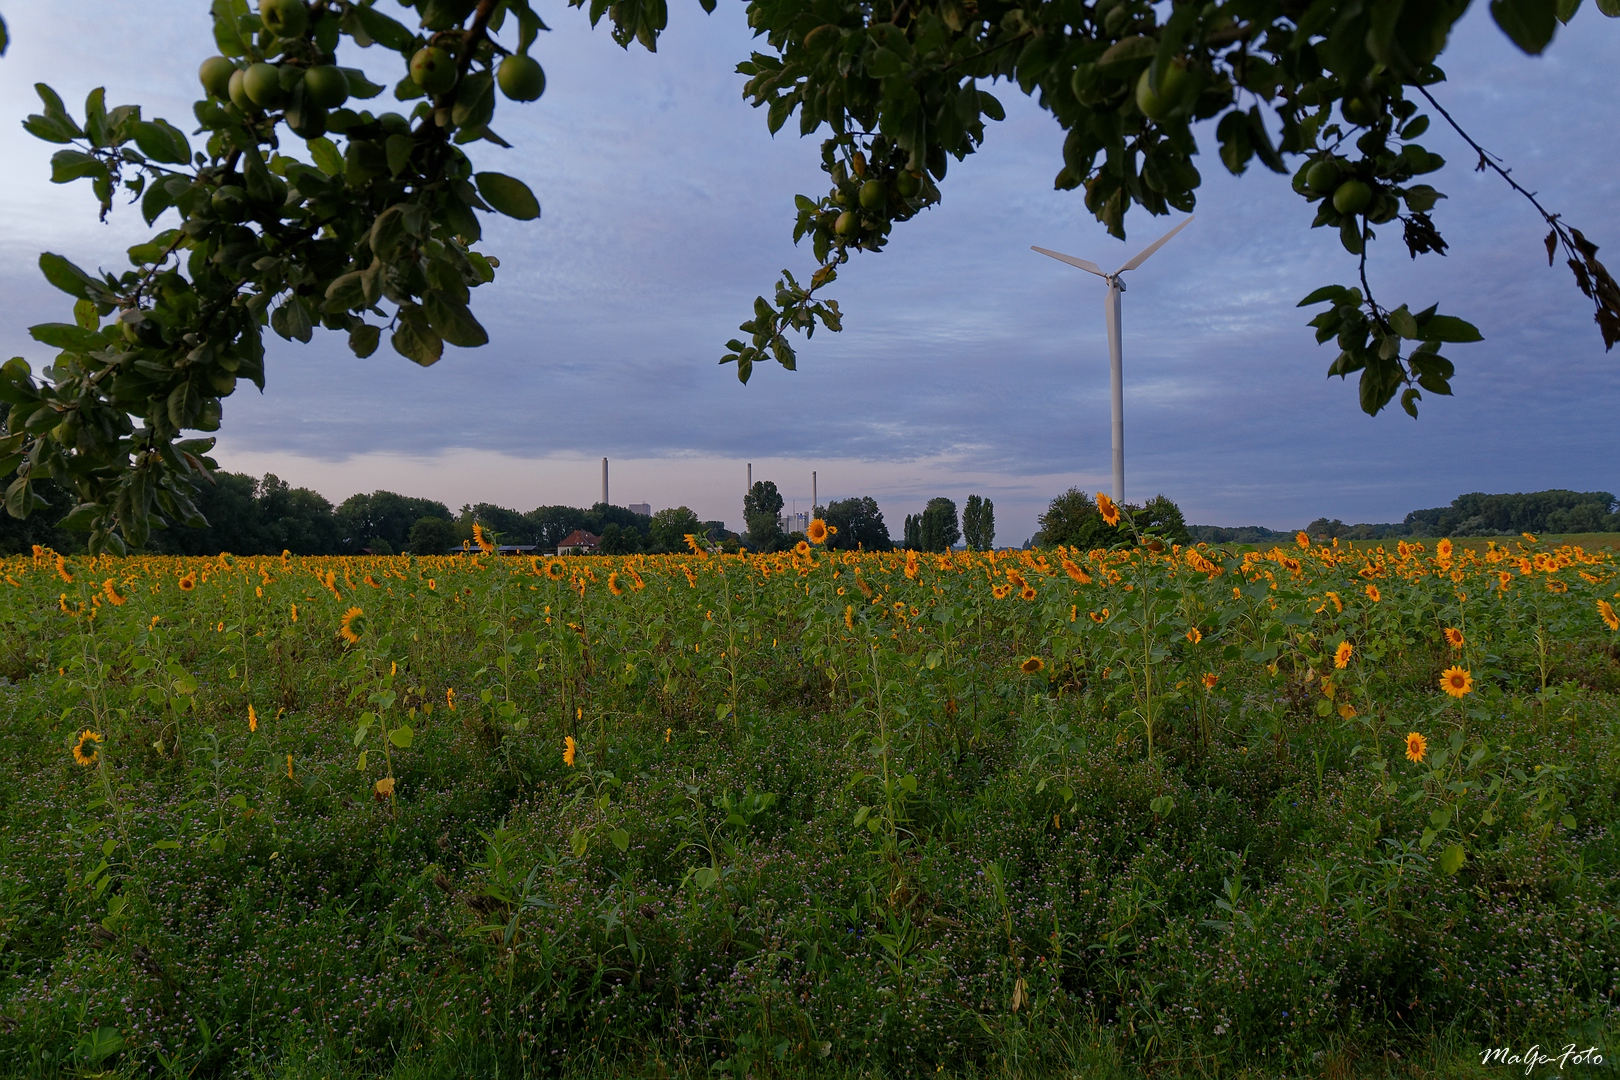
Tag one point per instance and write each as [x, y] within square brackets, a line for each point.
[859, 198]
[308, 92]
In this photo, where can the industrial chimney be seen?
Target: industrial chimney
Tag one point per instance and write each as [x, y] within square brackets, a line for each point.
[604, 482]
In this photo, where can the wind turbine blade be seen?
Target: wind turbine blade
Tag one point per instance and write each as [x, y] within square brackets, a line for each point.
[1072, 261]
[1142, 256]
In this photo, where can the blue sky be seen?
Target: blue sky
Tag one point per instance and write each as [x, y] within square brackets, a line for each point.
[968, 364]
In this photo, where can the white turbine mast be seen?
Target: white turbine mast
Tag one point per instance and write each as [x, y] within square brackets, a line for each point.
[1111, 313]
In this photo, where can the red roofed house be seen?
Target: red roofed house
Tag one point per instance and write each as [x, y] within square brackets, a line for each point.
[579, 542]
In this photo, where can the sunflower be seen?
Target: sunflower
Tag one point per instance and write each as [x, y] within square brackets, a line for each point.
[1373, 594]
[1100, 616]
[1554, 585]
[849, 616]
[1338, 604]
[1031, 666]
[1027, 592]
[817, 531]
[801, 549]
[613, 585]
[1000, 591]
[1210, 679]
[1195, 635]
[1456, 681]
[570, 748]
[188, 583]
[1076, 572]
[1442, 551]
[1417, 747]
[555, 568]
[1610, 619]
[1109, 511]
[911, 565]
[253, 718]
[691, 542]
[347, 626]
[450, 698]
[93, 741]
[295, 613]
[483, 543]
[1341, 655]
[1302, 540]
[111, 591]
[1454, 637]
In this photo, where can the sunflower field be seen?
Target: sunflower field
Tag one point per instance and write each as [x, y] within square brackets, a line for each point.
[1188, 811]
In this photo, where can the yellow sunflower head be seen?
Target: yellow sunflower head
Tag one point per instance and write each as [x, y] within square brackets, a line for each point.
[1027, 592]
[1000, 591]
[188, 583]
[1341, 655]
[1195, 635]
[1032, 666]
[570, 749]
[1454, 637]
[88, 740]
[1373, 594]
[817, 531]
[1210, 679]
[613, 585]
[1610, 619]
[1417, 747]
[801, 549]
[1108, 509]
[1302, 540]
[352, 625]
[1456, 681]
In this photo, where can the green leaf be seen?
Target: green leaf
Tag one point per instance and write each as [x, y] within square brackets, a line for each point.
[621, 839]
[508, 195]
[1449, 328]
[383, 30]
[401, 737]
[226, 35]
[452, 320]
[1529, 24]
[66, 336]
[1452, 859]
[415, 340]
[324, 153]
[69, 278]
[162, 141]
[1611, 8]
[1335, 293]
[398, 149]
[70, 165]
[363, 340]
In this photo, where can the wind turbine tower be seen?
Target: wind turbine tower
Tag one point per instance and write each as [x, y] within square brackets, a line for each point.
[1116, 285]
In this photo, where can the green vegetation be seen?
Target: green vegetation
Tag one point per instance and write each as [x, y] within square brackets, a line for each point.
[970, 815]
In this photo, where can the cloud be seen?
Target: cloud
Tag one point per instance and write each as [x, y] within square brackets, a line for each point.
[968, 362]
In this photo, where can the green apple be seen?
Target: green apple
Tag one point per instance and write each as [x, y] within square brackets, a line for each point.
[433, 69]
[521, 78]
[326, 86]
[284, 18]
[262, 82]
[1352, 197]
[215, 73]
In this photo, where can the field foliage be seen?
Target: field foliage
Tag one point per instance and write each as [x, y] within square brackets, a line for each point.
[1185, 810]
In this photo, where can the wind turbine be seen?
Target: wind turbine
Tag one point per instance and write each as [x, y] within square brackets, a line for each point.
[1111, 312]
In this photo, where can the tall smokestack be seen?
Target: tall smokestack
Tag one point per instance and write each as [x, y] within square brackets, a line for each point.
[814, 502]
[604, 482]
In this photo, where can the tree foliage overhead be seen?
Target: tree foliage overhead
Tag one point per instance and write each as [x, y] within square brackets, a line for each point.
[302, 208]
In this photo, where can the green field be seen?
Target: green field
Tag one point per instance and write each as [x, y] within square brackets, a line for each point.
[818, 814]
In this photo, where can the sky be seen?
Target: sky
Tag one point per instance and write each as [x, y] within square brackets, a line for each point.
[968, 364]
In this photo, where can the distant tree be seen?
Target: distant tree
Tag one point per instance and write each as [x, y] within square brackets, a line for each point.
[550, 524]
[937, 528]
[383, 515]
[716, 532]
[377, 545]
[230, 503]
[618, 540]
[433, 536]
[1162, 518]
[509, 526]
[600, 515]
[979, 523]
[762, 514]
[298, 520]
[1072, 520]
[913, 532]
[671, 526]
[859, 523]
[1556, 510]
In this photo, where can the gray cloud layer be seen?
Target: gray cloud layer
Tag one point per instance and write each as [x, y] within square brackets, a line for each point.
[668, 207]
